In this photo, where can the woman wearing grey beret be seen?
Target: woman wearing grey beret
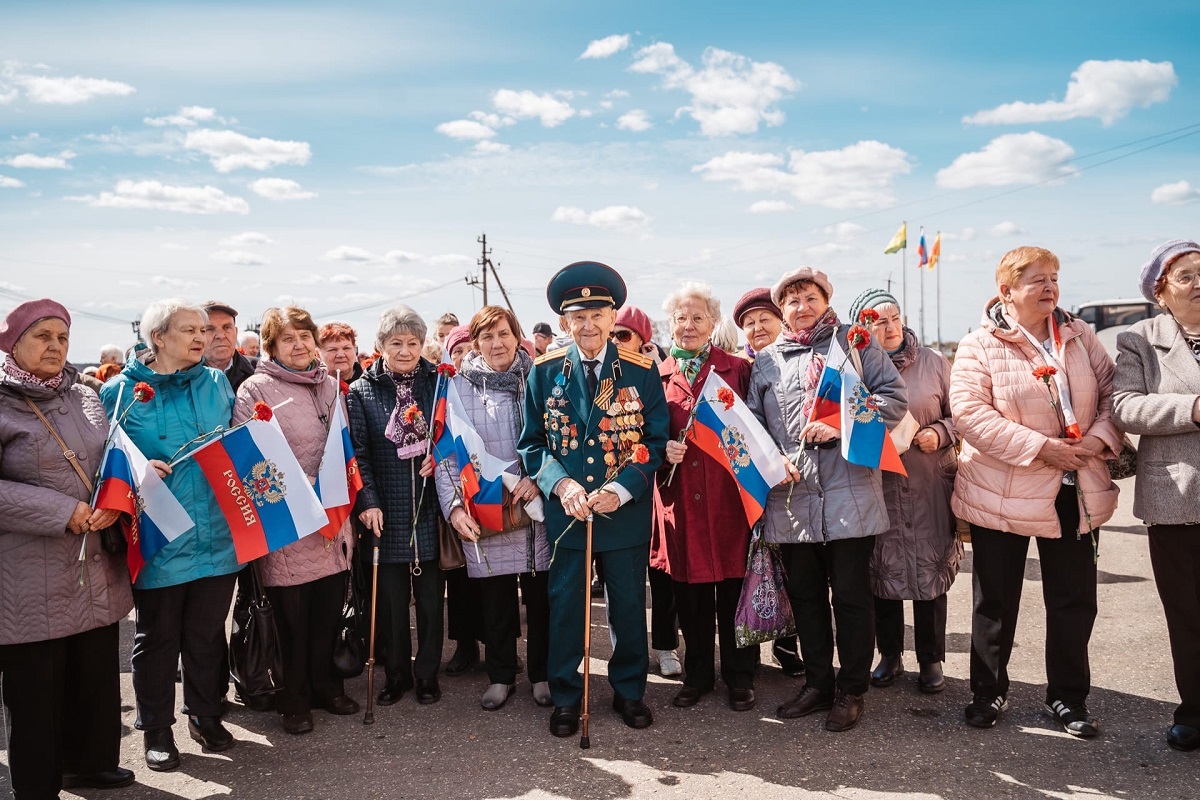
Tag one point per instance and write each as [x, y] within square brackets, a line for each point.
[1156, 394]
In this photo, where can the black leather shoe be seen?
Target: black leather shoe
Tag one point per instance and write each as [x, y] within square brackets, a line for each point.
[297, 724]
[466, 656]
[886, 671]
[161, 753]
[113, 779]
[931, 680]
[428, 692]
[688, 696]
[392, 692]
[809, 701]
[1183, 737]
[210, 733]
[564, 721]
[341, 705]
[633, 712]
[741, 699]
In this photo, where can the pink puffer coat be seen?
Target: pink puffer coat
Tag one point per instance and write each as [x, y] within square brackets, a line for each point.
[1004, 416]
[313, 394]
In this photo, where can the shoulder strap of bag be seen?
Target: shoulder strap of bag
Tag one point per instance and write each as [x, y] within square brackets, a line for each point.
[67, 452]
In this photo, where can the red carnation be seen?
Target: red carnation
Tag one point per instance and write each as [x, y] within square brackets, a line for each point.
[868, 316]
[859, 337]
[725, 396]
[263, 412]
[1045, 373]
[446, 370]
[641, 454]
[143, 392]
[343, 387]
[411, 413]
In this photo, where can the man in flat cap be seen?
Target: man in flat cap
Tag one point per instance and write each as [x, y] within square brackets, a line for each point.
[221, 352]
[595, 432]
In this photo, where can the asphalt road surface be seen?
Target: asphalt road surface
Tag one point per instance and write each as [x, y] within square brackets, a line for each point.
[908, 745]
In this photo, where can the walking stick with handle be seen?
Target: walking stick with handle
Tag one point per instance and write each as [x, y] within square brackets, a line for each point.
[585, 741]
[369, 716]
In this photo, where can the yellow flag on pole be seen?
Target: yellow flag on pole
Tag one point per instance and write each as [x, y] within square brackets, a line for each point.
[899, 241]
[935, 254]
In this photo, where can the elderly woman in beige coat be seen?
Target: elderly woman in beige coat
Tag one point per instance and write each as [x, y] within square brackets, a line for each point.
[1156, 394]
[917, 557]
[61, 593]
[1031, 392]
[306, 580]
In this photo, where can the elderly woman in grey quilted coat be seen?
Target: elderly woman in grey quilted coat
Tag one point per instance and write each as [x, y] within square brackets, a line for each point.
[305, 580]
[491, 385]
[917, 557]
[59, 641]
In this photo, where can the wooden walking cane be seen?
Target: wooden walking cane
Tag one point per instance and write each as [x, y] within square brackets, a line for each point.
[584, 740]
[369, 716]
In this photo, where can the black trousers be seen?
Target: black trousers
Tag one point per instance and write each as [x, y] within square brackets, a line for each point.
[464, 615]
[186, 620]
[664, 618]
[308, 617]
[929, 628]
[827, 582]
[64, 701]
[501, 612]
[1068, 591]
[1175, 557]
[706, 611]
[397, 585]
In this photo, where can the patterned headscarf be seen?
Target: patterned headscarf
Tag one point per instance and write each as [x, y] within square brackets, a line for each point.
[16, 373]
[406, 428]
[691, 361]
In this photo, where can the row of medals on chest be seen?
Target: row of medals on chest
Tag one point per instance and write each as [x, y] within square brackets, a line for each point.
[619, 430]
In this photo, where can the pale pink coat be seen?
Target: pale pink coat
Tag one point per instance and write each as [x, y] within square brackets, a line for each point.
[1004, 416]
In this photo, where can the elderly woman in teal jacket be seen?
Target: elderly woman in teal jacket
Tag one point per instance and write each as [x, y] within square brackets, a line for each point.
[182, 595]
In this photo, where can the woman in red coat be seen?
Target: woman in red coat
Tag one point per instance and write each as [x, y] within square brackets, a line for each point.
[697, 519]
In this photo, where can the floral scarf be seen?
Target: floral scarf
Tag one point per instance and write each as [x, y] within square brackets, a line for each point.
[16, 373]
[691, 361]
[406, 428]
[809, 337]
[906, 353]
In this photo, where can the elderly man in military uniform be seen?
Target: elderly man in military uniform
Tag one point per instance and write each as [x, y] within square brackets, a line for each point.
[595, 432]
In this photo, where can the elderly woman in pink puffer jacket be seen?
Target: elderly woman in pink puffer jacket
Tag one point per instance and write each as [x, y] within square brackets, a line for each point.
[306, 580]
[1031, 395]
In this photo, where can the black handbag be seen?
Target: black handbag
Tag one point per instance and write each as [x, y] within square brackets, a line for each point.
[255, 654]
[349, 653]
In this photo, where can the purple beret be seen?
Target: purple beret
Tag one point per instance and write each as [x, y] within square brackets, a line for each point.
[456, 336]
[1160, 258]
[23, 317]
[637, 321]
[755, 299]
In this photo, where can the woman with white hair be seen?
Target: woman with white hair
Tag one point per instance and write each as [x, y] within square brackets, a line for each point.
[700, 537]
[391, 407]
[182, 594]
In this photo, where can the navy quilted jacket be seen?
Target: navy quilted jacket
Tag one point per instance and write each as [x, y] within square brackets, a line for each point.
[393, 484]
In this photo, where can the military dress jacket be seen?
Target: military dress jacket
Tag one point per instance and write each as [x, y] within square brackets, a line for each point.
[568, 435]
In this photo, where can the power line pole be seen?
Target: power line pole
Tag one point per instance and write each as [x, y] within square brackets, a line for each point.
[484, 262]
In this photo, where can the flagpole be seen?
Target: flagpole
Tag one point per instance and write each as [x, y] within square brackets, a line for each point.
[904, 272]
[922, 290]
[938, 290]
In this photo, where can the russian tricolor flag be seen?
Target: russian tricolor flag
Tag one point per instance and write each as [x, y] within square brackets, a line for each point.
[482, 474]
[735, 438]
[443, 443]
[128, 484]
[260, 488]
[338, 478]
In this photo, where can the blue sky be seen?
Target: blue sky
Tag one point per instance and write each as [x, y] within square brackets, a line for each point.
[265, 153]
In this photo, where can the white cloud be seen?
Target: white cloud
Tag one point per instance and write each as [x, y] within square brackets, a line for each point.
[46, 90]
[280, 189]
[526, 105]
[156, 195]
[1012, 159]
[249, 237]
[174, 283]
[347, 252]
[486, 148]
[342, 278]
[30, 161]
[770, 207]
[1006, 228]
[629, 219]
[10, 183]
[1169, 194]
[465, 129]
[857, 176]
[401, 257]
[1106, 90]
[492, 120]
[188, 117]
[828, 249]
[965, 235]
[844, 231]
[730, 93]
[240, 257]
[608, 46]
[635, 120]
[229, 150]
[451, 260]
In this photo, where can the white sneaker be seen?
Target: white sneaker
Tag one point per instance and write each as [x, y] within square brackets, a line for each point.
[668, 663]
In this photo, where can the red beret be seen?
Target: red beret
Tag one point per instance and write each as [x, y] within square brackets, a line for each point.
[636, 320]
[754, 299]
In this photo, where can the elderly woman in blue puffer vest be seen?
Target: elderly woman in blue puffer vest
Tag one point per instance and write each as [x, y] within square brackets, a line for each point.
[391, 407]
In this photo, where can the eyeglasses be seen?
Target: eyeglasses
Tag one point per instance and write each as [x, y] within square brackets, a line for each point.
[622, 336]
[1183, 278]
[681, 320]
